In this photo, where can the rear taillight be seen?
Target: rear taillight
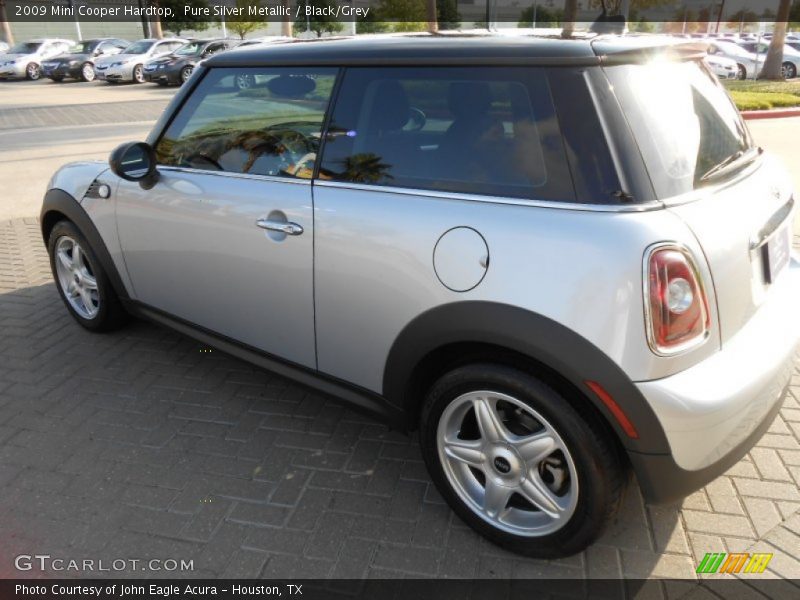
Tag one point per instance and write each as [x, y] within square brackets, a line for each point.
[676, 307]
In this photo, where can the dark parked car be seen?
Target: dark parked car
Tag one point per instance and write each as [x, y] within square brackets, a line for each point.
[78, 62]
[177, 67]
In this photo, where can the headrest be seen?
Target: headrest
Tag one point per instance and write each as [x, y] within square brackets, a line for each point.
[390, 107]
[469, 98]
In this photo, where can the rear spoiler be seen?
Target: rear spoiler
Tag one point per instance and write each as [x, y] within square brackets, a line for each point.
[618, 51]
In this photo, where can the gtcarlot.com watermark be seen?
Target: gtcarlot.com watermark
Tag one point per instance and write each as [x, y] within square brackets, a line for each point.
[46, 562]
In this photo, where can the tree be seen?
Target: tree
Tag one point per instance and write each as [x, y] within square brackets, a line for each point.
[181, 22]
[239, 25]
[774, 60]
[740, 17]
[6, 28]
[447, 14]
[545, 17]
[570, 12]
[320, 20]
[371, 24]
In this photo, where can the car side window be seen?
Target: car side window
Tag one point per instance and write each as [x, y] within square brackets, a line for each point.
[213, 49]
[490, 131]
[273, 127]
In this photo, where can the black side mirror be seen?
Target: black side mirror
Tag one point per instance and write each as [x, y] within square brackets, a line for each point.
[135, 161]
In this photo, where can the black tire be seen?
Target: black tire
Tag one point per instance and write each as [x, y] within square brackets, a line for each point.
[87, 72]
[788, 70]
[600, 475]
[33, 72]
[110, 314]
[741, 72]
[162, 83]
[57, 78]
[186, 72]
[138, 74]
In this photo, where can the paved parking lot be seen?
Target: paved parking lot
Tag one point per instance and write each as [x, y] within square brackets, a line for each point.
[144, 444]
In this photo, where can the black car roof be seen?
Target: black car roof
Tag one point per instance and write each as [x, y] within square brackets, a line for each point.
[452, 50]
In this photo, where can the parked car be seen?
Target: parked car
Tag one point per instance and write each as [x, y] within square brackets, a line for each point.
[128, 65]
[177, 67]
[24, 59]
[78, 62]
[3, 47]
[473, 263]
[724, 68]
[791, 57]
[747, 64]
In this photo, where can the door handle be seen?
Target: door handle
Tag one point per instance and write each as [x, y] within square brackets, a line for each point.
[286, 227]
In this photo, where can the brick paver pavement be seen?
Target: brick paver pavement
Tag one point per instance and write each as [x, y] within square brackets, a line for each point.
[140, 444]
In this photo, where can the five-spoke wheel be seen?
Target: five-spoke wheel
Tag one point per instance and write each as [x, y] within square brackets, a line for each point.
[76, 278]
[507, 462]
[81, 280]
[532, 469]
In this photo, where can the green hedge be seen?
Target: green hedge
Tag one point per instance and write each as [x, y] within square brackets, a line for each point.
[763, 101]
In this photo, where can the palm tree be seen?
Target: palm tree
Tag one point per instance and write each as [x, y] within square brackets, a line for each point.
[774, 60]
[433, 24]
[6, 28]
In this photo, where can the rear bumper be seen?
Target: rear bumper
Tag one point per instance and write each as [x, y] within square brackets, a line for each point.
[714, 412]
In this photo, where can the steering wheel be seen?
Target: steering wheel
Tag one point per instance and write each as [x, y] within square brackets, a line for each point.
[200, 157]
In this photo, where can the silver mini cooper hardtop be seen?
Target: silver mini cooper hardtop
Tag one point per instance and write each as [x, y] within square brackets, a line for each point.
[557, 259]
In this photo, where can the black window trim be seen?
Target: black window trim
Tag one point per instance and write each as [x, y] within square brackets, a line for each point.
[202, 70]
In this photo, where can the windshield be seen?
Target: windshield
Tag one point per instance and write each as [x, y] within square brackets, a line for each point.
[83, 48]
[25, 48]
[190, 48]
[139, 47]
[683, 119]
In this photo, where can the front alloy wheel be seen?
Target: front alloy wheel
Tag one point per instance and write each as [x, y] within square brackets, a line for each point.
[82, 283]
[76, 278]
[507, 463]
[138, 74]
[788, 70]
[87, 72]
[741, 72]
[33, 72]
[186, 72]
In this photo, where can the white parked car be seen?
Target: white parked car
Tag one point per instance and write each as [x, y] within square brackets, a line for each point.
[24, 60]
[724, 68]
[747, 64]
[791, 56]
[129, 65]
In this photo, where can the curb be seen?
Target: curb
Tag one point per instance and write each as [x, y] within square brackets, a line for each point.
[776, 113]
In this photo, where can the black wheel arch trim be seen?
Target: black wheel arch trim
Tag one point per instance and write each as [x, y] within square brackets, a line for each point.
[534, 336]
[58, 201]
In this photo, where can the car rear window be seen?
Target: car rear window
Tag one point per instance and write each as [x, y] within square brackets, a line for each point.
[684, 121]
[490, 131]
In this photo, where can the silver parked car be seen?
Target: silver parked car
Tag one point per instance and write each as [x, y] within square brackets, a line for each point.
[24, 60]
[128, 66]
[556, 259]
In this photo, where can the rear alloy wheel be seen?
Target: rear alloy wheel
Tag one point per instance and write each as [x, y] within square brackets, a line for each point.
[741, 72]
[87, 72]
[186, 72]
[33, 72]
[517, 463]
[788, 70]
[138, 74]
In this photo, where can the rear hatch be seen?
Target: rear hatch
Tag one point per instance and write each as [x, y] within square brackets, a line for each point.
[705, 167]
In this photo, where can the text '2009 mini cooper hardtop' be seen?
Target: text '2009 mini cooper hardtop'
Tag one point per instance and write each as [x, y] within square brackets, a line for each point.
[556, 258]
